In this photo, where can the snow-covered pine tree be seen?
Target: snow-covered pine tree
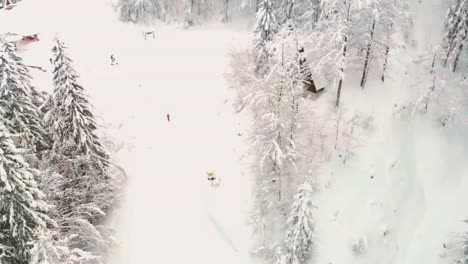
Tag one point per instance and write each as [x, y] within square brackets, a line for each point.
[78, 180]
[71, 123]
[138, 11]
[22, 209]
[38, 97]
[266, 27]
[7, 46]
[456, 24]
[307, 13]
[78, 209]
[299, 11]
[301, 226]
[340, 12]
[376, 22]
[22, 116]
[274, 101]
[189, 14]
[226, 18]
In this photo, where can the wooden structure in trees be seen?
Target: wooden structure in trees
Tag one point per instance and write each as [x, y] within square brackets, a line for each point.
[307, 73]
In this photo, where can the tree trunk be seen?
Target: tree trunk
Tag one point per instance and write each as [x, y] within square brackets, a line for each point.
[385, 65]
[280, 186]
[225, 10]
[448, 55]
[368, 51]
[455, 63]
[433, 63]
[289, 9]
[279, 141]
[387, 53]
[338, 94]
[433, 72]
[295, 112]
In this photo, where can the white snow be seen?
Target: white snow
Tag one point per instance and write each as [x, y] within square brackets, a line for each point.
[413, 204]
[403, 191]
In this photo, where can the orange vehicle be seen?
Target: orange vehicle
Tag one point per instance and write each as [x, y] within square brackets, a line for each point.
[30, 38]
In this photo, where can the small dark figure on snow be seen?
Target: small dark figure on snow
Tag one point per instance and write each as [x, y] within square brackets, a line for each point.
[146, 33]
[211, 176]
[168, 118]
[113, 61]
[214, 181]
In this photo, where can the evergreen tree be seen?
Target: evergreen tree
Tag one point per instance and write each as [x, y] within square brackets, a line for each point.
[78, 178]
[300, 227]
[17, 99]
[7, 46]
[22, 209]
[70, 121]
[79, 209]
[266, 25]
[188, 7]
[138, 11]
[226, 18]
[457, 30]
[265, 29]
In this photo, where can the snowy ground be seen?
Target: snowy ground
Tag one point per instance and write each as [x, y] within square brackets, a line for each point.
[189, 220]
[402, 192]
[406, 211]
[170, 212]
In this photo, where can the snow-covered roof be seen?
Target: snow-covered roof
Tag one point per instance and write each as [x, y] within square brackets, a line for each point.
[15, 19]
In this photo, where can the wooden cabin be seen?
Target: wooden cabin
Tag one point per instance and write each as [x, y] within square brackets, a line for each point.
[7, 4]
[309, 83]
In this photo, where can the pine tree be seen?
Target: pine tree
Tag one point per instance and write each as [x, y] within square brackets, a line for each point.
[188, 7]
[265, 29]
[457, 30]
[226, 18]
[17, 99]
[78, 178]
[23, 213]
[138, 11]
[300, 227]
[71, 123]
[79, 211]
[7, 46]
[266, 25]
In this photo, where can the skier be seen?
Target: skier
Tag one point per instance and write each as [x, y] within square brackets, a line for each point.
[211, 176]
[168, 118]
[214, 181]
[113, 62]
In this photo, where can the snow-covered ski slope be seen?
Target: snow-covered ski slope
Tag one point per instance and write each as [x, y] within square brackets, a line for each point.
[171, 214]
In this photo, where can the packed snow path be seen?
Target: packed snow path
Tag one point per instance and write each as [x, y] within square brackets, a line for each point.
[174, 213]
